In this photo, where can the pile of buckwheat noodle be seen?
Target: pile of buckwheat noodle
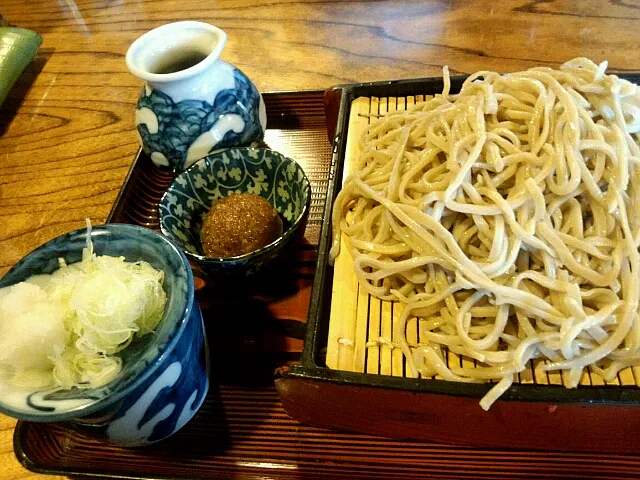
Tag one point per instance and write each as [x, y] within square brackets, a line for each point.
[506, 219]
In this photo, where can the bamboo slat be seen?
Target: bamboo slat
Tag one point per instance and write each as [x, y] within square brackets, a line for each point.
[344, 304]
[360, 340]
[626, 377]
[596, 380]
[375, 327]
[385, 348]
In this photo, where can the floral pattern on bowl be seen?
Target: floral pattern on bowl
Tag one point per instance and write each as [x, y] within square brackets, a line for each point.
[260, 171]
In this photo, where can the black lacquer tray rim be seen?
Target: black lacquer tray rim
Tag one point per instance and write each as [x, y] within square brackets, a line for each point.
[311, 367]
[32, 466]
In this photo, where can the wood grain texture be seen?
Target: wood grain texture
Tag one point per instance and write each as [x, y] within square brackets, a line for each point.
[66, 130]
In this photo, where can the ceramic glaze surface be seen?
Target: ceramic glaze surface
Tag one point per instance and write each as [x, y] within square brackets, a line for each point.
[184, 115]
[260, 171]
[168, 398]
[174, 355]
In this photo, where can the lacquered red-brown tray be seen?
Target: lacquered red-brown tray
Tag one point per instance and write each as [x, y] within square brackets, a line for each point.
[242, 430]
[537, 413]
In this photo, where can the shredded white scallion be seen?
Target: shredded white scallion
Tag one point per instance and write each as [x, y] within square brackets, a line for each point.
[66, 328]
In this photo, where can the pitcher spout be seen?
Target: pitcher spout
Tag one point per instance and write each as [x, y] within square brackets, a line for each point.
[175, 51]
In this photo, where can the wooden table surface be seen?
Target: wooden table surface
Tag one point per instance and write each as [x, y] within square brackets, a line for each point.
[66, 129]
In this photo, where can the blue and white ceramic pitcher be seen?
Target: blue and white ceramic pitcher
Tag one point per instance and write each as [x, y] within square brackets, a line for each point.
[192, 102]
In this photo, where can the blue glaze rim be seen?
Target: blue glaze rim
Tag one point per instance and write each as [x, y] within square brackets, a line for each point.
[256, 253]
[187, 302]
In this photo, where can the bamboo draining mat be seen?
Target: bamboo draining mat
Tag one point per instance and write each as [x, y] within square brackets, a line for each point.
[361, 326]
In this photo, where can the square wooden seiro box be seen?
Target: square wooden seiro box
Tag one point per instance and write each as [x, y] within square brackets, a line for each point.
[352, 378]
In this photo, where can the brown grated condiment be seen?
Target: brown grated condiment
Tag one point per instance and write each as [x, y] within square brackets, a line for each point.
[239, 224]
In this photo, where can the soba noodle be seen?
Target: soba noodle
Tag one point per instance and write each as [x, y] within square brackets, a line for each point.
[506, 219]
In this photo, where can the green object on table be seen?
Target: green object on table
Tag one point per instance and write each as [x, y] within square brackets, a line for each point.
[17, 48]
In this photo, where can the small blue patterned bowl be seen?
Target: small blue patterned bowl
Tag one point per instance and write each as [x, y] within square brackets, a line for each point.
[261, 171]
[165, 375]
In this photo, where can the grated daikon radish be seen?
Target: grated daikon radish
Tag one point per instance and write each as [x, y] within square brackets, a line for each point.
[32, 332]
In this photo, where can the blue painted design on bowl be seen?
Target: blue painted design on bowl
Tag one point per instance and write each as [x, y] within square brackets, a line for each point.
[264, 172]
[178, 126]
[130, 410]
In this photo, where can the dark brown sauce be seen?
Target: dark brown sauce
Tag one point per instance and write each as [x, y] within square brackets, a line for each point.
[177, 60]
